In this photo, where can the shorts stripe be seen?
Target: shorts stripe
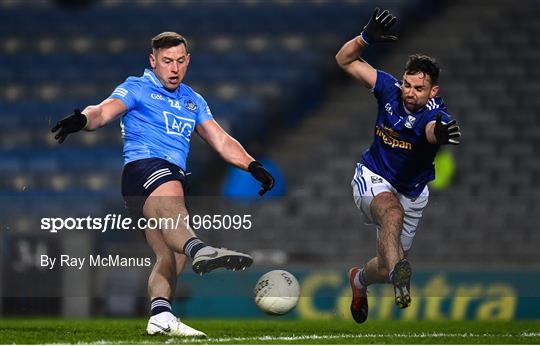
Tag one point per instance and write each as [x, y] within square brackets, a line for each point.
[141, 177]
[359, 186]
[157, 172]
[360, 179]
[362, 176]
[155, 177]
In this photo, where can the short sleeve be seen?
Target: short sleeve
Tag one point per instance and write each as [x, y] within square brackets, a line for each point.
[203, 112]
[385, 85]
[127, 92]
[435, 106]
[446, 117]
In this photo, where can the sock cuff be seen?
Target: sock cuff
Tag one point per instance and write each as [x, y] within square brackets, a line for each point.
[361, 277]
[391, 276]
[159, 305]
[192, 246]
[160, 298]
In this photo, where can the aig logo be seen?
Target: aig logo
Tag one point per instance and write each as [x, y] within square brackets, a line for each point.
[178, 126]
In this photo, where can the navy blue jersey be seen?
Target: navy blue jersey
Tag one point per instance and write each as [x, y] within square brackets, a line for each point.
[158, 123]
[400, 151]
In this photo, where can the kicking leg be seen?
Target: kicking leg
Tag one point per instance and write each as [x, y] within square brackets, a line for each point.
[167, 203]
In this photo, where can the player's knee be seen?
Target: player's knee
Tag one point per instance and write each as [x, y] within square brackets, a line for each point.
[386, 207]
[162, 208]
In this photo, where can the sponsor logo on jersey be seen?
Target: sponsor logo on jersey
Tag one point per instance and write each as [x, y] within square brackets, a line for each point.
[178, 126]
[390, 140]
[410, 121]
[388, 108]
[390, 131]
[157, 97]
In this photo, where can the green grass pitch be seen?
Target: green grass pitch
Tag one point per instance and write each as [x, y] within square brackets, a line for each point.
[271, 331]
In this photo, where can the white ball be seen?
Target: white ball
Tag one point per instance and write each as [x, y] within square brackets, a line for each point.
[276, 292]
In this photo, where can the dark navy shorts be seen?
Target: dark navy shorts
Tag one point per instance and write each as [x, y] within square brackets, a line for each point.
[141, 177]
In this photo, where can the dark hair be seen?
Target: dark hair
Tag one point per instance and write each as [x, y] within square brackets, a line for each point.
[423, 63]
[168, 39]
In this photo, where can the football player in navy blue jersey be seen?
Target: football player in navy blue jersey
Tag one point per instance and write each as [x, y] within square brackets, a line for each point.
[158, 115]
[390, 182]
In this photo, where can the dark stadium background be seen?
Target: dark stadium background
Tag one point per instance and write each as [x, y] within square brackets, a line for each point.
[267, 70]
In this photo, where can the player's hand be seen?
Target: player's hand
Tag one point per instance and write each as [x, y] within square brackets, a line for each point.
[258, 172]
[73, 123]
[446, 133]
[378, 26]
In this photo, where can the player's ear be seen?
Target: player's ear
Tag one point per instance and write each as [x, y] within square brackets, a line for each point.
[152, 59]
[434, 91]
[188, 57]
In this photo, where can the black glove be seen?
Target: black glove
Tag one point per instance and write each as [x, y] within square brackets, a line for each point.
[258, 172]
[75, 122]
[446, 133]
[378, 26]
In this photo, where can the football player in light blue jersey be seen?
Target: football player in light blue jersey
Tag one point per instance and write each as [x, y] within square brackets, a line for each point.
[159, 114]
[389, 185]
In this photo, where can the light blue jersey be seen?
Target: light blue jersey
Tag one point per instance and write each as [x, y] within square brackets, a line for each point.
[158, 123]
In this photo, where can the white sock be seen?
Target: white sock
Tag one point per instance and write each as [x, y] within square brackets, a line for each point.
[207, 250]
[164, 316]
[356, 279]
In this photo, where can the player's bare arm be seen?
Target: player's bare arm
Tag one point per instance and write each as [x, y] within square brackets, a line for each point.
[349, 56]
[224, 144]
[234, 153]
[90, 119]
[430, 132]
[103, 113]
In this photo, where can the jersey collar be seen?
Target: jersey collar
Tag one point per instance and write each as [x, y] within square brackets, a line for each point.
[408, 112]
[151, 76]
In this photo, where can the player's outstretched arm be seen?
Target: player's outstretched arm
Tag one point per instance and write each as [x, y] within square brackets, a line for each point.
[438, 132]
[90, 119]
[348, 57]
[234, 153]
